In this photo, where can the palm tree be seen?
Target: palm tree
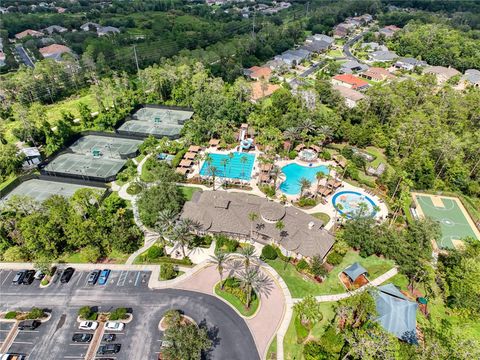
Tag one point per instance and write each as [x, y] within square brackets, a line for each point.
[304, 185]
[165, 222]
[253, 280]
[280, 225]
[212, 171]
[291, 134]
[309, 311]
[243, 161]
[224, 163]
[249, 256]
[307, 125]
[319, 175]
[220, 259]
[183, 232]
[327, 132]
[253, 216]
[275, 173]
[338, 207]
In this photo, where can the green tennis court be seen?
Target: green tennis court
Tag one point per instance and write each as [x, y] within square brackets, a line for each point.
[449, 212]
[106, 146]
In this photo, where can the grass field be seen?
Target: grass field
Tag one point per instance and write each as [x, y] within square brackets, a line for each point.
[301, 286]
[77, 258]
[54, 111]
[188, 191]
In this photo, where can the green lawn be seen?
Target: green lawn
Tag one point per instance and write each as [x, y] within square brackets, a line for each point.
[398, 280]
[54, 111]
[292, 349]
[301, 286]
[335, 53]
[272, 350]
[188, 191]
[7, 181]
[322, 216]
[236, 303]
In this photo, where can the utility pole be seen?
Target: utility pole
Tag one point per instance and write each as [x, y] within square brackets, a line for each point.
[253, 25]
[136, 58]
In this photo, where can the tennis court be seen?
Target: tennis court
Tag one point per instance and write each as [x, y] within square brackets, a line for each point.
[41, 190]
[156, 121]
[105, 146]
[87, 167]
[455, 223]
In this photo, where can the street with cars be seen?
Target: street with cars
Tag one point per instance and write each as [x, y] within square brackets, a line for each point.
[62, 338]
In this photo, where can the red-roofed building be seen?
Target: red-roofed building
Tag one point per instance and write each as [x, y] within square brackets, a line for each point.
[54, 51]
[28, 32]
[258, 72]
[350, 81]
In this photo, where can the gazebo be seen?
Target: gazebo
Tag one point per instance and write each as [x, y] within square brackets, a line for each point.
[185, 163]
[214, 142]
[354, 271]
[299, 147]
[189, 155]
[194, 149]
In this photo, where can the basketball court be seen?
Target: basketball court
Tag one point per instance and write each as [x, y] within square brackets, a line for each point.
[40, 190]
[455, 222]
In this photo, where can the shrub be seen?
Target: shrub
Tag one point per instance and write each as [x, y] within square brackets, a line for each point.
[11, 315]
[302, 265]
[326, 155]
[85, 312]
[304, 202]
[135, 188]
[292, 154]
[300, 330]
[317, 267]
[269, 253]
[226, 244]
[178, 157]
[281, 256]
[118, 314]
[232, 286]
[44, 282]
[331, 342]
[154, 252]
[314, 351]
[202, 241]
[167, 272]
[35, 313]
[90, 253]
[334, 258]
[268, 190]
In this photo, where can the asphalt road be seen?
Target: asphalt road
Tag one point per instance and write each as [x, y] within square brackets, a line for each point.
[140, 339]
[346, 48]
[24, 56]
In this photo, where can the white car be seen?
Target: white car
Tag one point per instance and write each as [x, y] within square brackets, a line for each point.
[88, 325]
[114, 326]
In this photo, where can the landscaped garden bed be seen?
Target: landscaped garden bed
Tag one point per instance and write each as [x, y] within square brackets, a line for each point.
[236, 296]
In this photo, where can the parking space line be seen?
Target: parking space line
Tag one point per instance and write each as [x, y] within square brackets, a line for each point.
[122, 278]
[23, 342]
[6, 277]
[79, 279]
[79, 344]
[137, 278]
[29, 331]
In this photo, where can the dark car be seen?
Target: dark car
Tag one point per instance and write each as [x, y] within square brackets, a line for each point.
[93, 277]
[29, 277]
[109, 349]
[67, 275]
[82, 338]
[28, 324]
[18, 278]
[109, 337]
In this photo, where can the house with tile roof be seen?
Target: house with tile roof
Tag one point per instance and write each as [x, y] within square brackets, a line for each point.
[221, 212]
[258, 72]
[350, 81]
[351, 97]
[28, 32]
[408, 63]
[389, 31]
[442, 73]
[377, 74]
[55, 29]
[54, 51]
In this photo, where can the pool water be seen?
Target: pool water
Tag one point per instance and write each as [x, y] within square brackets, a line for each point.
[350, 203]
[233, 168]
[295, 172]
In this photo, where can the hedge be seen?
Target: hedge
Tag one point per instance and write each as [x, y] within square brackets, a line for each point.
[269, 253]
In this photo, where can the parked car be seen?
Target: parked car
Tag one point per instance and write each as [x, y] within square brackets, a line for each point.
[102, 280]
[109, 337]
[18, 278]
[93, 277]
[29, 277]
[114, 326]
[88, 325]
[67, 275]
[82, 338]
[109, 349]
[12, 356]
[39, 275]
[29, 324]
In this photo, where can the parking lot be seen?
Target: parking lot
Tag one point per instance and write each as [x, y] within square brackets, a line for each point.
[140, 339]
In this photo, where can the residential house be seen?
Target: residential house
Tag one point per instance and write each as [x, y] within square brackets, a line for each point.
[316, 46]
[377, 171]
[377, 74]
[373, 46]
[396, 313]
[352, 66]
[55, 29]
[471, 78]
[350, 81]
[107, 30]
[388, 31]
[32, 157]
[382, 56]
[258, 72]
[28, 32]
[320, 37]
[262, 89]
[89, 26]
[227, 213]
[409, 64]
[277, 65]
[293, 57]
[341, 30]
[54, 51]
[442, 73]
[351, 97]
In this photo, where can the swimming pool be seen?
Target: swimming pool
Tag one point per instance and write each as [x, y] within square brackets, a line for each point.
[295, 172]
[350, 203]
[229, 167]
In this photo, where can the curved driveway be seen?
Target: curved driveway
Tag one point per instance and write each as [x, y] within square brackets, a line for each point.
[233, 339]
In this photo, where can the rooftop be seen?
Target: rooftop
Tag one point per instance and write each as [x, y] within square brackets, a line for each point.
[351, 80]
[224, 212]
[348, 93]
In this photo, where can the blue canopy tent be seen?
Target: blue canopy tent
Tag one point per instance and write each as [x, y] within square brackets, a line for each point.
[396, 314]
[354, 271]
